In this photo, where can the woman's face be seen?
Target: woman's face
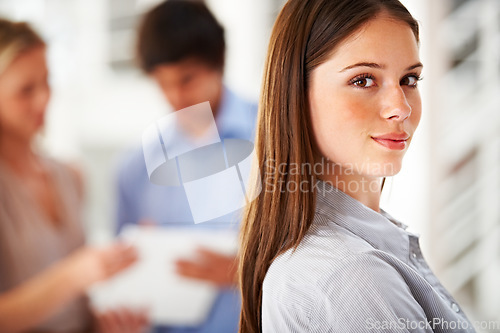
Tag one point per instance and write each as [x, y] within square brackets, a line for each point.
[24, 94]
[364, 101]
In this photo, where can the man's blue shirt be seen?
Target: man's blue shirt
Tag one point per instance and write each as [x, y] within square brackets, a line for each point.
[140, 200]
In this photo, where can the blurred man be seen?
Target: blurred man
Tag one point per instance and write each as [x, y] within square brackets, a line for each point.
[181, 46]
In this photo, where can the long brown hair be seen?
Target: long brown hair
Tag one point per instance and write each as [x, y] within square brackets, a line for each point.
[304, 35]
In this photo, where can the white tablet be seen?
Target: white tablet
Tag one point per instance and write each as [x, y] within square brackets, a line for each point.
[152, 283]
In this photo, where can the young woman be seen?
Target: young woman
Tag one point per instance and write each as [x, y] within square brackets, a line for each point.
[339, 108]
[44, 267]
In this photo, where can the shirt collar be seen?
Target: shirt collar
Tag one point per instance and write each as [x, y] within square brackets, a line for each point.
[380, 230]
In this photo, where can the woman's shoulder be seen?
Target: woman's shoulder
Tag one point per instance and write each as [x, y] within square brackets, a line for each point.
[330, 272]
[339, 294]
[69, 174]
[328, 256]
[324, 245]
[319, 254]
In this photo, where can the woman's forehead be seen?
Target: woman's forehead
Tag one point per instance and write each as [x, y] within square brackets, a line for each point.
[383, 40]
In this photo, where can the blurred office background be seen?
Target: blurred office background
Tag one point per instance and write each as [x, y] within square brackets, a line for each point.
[448, 191]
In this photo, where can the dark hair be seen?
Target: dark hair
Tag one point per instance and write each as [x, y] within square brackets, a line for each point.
[305, 34]
[177, 30]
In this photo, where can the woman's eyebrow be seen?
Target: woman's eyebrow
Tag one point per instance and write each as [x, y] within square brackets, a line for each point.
[417, 65]
[377, 66]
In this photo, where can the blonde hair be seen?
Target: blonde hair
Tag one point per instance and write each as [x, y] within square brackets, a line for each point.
[15, 39]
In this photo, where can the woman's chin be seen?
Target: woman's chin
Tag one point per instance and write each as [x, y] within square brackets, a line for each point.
[384, 169]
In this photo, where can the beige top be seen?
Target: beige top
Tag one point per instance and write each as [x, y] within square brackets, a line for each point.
[29, 242]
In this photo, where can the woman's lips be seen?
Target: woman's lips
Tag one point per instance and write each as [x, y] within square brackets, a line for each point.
[391, 144]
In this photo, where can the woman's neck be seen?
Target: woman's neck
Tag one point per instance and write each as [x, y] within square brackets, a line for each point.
[17, 154]
[365, 189]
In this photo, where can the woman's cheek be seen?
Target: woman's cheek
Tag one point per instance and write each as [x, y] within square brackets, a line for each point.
[416, 110]
[352, 109]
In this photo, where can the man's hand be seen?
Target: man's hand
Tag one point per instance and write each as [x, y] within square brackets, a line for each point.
[122, 321]
[210, 266]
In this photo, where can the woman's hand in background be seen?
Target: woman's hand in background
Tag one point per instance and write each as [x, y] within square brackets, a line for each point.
[91, 264]
[28, 304]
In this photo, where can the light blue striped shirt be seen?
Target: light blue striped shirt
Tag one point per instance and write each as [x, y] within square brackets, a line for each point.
[356, 271]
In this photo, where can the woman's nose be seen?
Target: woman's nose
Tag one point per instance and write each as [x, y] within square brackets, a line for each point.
[42, 97]
[396, 105]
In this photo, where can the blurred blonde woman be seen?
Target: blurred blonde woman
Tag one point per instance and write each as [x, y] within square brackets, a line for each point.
[44, 267]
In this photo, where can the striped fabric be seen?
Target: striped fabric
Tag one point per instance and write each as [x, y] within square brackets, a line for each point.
[356, 271]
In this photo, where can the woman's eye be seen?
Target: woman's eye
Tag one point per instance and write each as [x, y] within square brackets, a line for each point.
[411, 81]
[363, 82]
